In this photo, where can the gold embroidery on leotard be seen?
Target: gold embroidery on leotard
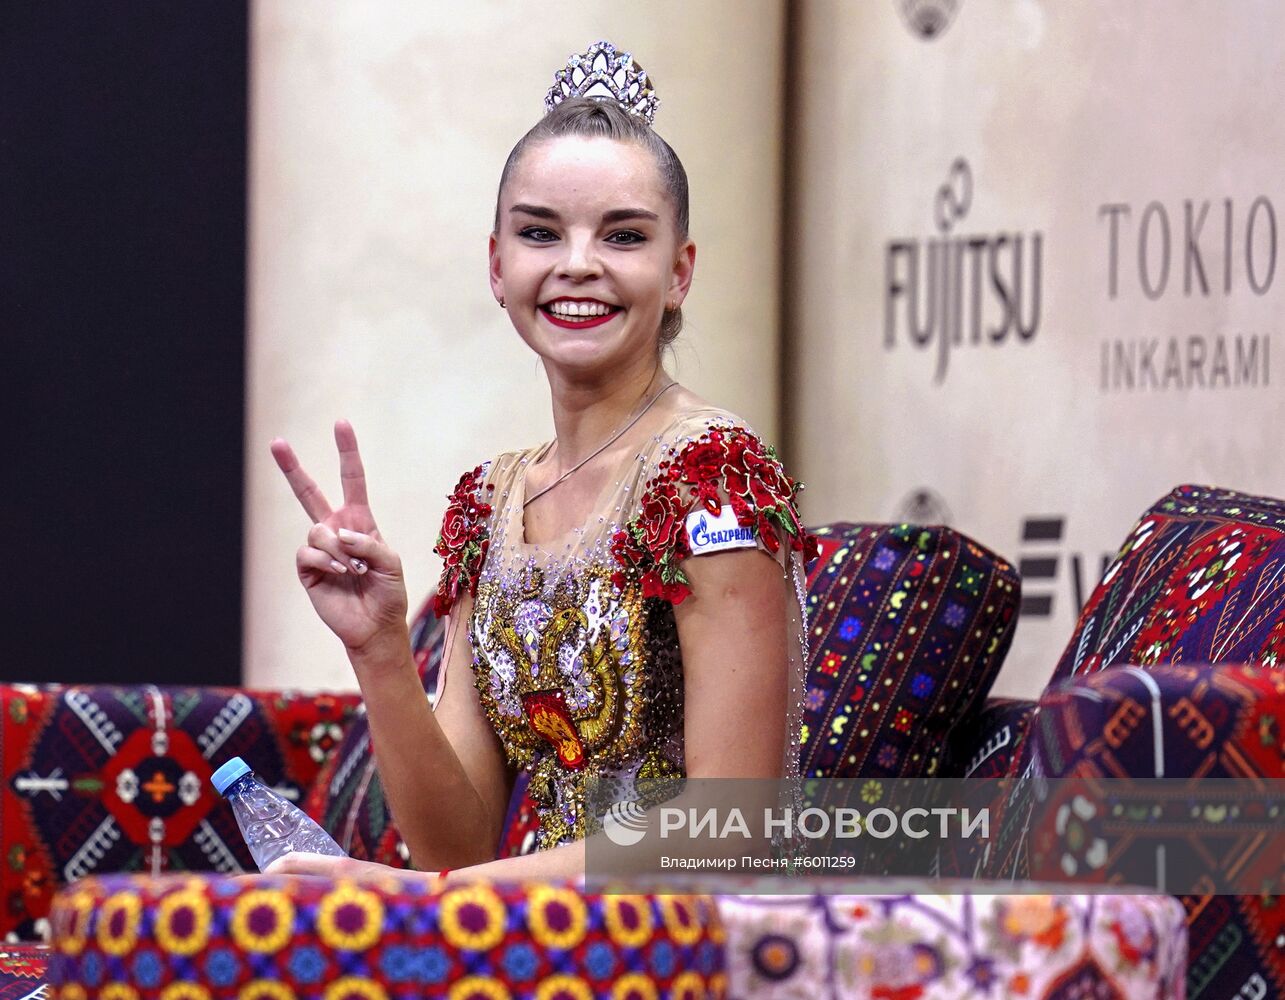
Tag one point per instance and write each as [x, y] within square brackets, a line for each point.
[564, 690]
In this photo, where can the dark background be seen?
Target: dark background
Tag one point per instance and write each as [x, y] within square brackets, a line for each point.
[122, 306]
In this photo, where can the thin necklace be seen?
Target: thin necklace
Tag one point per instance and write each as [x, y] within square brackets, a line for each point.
[603, 447]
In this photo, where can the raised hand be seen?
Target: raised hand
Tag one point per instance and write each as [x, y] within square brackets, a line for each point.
[352, 577]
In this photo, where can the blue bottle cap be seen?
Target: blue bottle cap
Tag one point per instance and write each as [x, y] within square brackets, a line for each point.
[228, 773]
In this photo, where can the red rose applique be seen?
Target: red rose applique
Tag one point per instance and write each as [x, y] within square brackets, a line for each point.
[463, 540]
[725, 461]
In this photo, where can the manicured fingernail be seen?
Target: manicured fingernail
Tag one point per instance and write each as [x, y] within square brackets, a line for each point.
[337, 566]
[347, 536]
[359, 565]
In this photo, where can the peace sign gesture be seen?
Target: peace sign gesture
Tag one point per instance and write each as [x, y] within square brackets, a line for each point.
[352, 577]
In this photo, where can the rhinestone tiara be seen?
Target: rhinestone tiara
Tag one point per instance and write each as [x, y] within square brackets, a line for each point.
[602, 73]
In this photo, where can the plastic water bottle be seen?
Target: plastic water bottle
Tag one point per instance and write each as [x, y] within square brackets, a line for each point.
[270, 825]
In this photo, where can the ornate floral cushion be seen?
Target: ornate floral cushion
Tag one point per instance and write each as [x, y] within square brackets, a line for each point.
[110, 779]
[908, 628]
[267, 938]
[347, 798]
[930, 947]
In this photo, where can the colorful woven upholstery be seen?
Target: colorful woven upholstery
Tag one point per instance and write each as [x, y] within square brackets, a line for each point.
[272, 938]
[1200, 579]
[111, 779]
[908, 629]
[982, 747]
[1206, 723]
[929, 947]
[23, 971]
[522, 822]
[984, 744]
[348, 800]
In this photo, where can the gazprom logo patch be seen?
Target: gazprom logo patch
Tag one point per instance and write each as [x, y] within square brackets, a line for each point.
[707, 533]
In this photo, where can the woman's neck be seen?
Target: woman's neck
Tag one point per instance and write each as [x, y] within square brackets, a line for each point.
[587, 413]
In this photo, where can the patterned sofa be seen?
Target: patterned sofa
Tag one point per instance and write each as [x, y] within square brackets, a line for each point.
[909, 627]
[1176, 670]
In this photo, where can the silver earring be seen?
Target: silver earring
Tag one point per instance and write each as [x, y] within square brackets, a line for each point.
[502, 305]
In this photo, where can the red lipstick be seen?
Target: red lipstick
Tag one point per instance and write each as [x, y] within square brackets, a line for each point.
[585, 323]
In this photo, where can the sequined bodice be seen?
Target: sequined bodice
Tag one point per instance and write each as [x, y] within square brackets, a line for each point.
[575, 646]
[579, 676]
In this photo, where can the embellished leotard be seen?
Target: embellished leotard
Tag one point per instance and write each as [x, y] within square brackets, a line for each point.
[576, 653]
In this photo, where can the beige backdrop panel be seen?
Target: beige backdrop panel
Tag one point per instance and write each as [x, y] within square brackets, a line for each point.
[378, 135]
[1061, 111]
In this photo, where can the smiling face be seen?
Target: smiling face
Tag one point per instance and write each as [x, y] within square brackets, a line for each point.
[587, 256]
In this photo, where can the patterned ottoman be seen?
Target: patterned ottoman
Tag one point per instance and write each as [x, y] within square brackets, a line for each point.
[285, 937]
[917, 946]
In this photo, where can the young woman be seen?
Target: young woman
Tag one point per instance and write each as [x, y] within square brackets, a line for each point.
[625, 601]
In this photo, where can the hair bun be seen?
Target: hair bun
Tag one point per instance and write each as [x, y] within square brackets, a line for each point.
[603, 74]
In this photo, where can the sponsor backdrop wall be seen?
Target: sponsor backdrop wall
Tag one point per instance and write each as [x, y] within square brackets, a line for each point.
[1036, 277]
[378, 132]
